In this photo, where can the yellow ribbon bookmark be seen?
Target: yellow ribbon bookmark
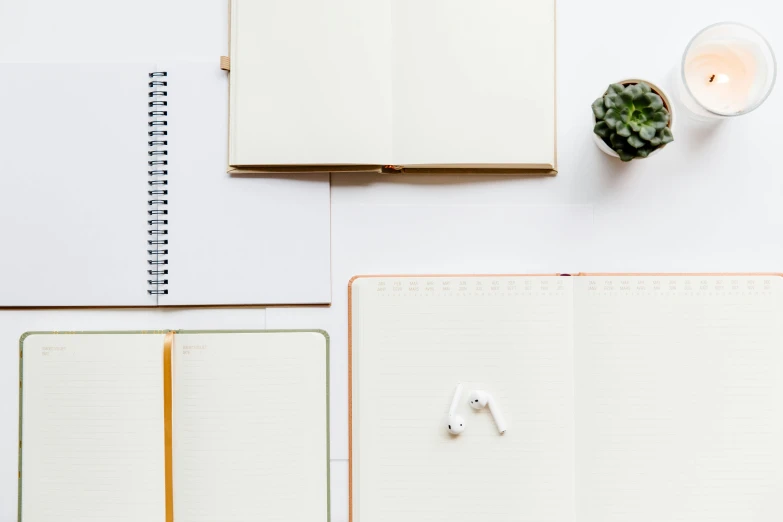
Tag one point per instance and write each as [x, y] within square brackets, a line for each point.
[167, 345]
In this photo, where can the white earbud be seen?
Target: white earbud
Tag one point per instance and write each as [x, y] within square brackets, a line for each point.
[479, 399]
[455, 423]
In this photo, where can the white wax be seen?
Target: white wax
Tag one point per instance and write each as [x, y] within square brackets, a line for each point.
[724, 76]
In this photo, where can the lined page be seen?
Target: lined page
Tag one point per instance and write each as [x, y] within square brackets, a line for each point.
[413, 340]
[92, 428]
[250, 427]
[679, 399]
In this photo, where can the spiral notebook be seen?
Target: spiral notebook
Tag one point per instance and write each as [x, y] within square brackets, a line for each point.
[114, 193]
[393, 85]
[626, 397]
[186, 426]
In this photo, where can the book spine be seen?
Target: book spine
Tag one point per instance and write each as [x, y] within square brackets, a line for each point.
[158, 184]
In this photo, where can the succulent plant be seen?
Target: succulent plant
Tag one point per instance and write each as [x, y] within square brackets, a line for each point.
[632, 120]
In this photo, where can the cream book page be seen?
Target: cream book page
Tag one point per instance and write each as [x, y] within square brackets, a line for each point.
[474, 82]
[413, 340]
[310, 82]
[250, 428]
[679, 398]
[92, 428]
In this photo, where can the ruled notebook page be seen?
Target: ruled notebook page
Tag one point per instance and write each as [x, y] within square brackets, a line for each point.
[250, 427]
[679, 399]
[92, 428]
[413, 340]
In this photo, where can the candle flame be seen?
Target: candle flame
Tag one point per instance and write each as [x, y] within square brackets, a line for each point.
[718, 78]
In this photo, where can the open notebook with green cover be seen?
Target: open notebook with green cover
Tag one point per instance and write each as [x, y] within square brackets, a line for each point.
[192, 425]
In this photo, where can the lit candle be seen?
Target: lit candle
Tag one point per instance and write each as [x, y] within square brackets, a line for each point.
[728, 69]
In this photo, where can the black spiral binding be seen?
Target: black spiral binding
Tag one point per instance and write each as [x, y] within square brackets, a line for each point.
[157, 160]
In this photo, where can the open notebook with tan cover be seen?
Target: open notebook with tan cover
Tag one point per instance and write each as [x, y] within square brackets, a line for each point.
[161, 426]
[642, 398]
[411, 85]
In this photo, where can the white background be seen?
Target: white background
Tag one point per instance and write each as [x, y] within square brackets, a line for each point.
[710, 202]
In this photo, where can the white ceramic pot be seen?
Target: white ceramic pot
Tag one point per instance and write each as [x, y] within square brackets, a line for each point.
[666, 102]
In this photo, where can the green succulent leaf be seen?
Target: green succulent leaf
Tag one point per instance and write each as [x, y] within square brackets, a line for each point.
[617, 141]
[645, 87]
[615, 88]
[612, 117]
[624, 100]
[655, 141]
[609, 100]
[655, 101]
[635, 91]
[636, 142]
[625, 114]
[647, 132]
[598, 109]
[642, 101]
[626, 155]
[660, 119]
[602, 129]
[643, 152]
[623, 129]
[635, 126]
[666, 135]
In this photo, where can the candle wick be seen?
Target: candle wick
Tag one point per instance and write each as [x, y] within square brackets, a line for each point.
[712, 78]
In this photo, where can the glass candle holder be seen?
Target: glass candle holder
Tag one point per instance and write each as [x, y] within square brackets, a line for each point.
[728, 69]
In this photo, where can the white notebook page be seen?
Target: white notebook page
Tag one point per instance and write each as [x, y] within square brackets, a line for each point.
[250, 427]
[679, 387]
[236, 240]
[92, 428]
[310, 82]
[73, 194]
[414, 339]
[474, 82]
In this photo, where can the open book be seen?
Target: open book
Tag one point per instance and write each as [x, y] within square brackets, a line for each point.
[185, 426]
[116, 194]
[410, 85]
[642, 398]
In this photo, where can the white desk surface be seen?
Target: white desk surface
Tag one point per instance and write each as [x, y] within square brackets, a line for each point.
[713, 201]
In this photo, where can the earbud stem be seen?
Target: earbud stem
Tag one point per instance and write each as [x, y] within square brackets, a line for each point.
[455, 400]
[494, 409]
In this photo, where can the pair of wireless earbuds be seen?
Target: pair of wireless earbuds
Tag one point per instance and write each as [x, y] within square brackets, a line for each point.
[478, 399]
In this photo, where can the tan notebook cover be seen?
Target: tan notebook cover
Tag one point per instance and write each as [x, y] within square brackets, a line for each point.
[392, 86]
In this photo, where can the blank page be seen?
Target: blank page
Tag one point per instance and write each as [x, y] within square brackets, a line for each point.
[413, 340]
[251, 427]
[92, 428]
[474, 82]
[310, 82]
[73, 194]
[236, 240]
[679, 395]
